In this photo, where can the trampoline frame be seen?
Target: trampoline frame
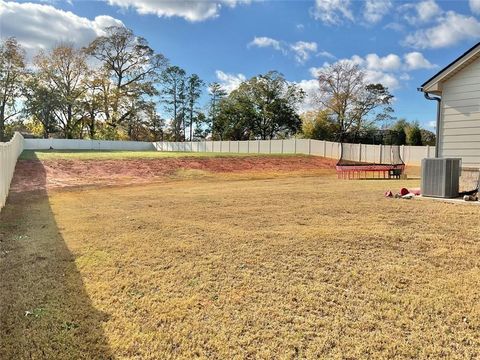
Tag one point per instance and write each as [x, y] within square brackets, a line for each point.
[380, 171]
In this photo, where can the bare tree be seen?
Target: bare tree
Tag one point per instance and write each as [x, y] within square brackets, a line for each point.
[350, 100]
[12, 77]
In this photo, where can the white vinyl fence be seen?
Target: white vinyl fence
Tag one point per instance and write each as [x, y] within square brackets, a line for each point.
[71, 144]
[9, 153]
[411, 155]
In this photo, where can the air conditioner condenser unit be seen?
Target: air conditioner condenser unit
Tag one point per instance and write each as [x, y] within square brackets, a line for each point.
[440, 177]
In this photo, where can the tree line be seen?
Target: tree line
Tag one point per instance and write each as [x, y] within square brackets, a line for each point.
[118, 87]
[107, 90]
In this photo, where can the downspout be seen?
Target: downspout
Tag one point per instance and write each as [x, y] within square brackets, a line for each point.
[437, 132]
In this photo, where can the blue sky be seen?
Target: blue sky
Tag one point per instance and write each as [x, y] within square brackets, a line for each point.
[400, 44]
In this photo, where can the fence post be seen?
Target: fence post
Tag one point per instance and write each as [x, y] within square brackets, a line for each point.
[258, 146]
[270, 146]
[294, 145]
[309, 146]
[428, 151]
[324, 148]
[282, 146]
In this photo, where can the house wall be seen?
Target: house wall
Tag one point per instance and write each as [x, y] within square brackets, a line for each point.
[460, 116]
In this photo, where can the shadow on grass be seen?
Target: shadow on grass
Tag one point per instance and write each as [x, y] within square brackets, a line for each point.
[45, 311]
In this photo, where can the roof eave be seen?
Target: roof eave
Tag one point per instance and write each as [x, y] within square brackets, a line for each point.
[432, 85]
[434, 88]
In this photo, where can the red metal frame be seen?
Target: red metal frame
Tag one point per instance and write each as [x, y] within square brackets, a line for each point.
[355, 171]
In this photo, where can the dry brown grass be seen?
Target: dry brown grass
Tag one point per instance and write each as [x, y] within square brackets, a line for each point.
[239, 266]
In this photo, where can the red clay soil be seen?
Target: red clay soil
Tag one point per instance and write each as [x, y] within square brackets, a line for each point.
[49, 174]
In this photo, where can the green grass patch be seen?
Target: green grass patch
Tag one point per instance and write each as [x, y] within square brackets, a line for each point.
[118, 155]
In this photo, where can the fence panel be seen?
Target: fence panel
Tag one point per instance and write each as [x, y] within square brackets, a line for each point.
[415, 154]
[216, 146]
[243, 147]
[277, 147]
[187, 146]
[332, 150]
[317, 147]
[224, 147]
[9, 153]
[302, 146]
[264, 146]
[234, 146]
[371, 153]
[289, 146]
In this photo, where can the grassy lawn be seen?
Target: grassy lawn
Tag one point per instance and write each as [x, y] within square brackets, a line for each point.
[117, 155]
[219, 267]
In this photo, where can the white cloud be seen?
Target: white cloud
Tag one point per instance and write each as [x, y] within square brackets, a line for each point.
[374, 62]
[326, 54]
[375, 10]
[229, 82]
[41, 26]
[415, 60]
[394, 26]
[427, 10]
[475, 6]
[421, 12]
[379, 77]
[332, 12]
[451, 28]
[390, 62]
[303, 50]
[263, 42]
[189, 10]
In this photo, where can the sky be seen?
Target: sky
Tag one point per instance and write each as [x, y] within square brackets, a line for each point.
[398, 43]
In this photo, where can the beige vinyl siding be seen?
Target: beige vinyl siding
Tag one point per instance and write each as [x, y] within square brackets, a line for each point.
[460, 116]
